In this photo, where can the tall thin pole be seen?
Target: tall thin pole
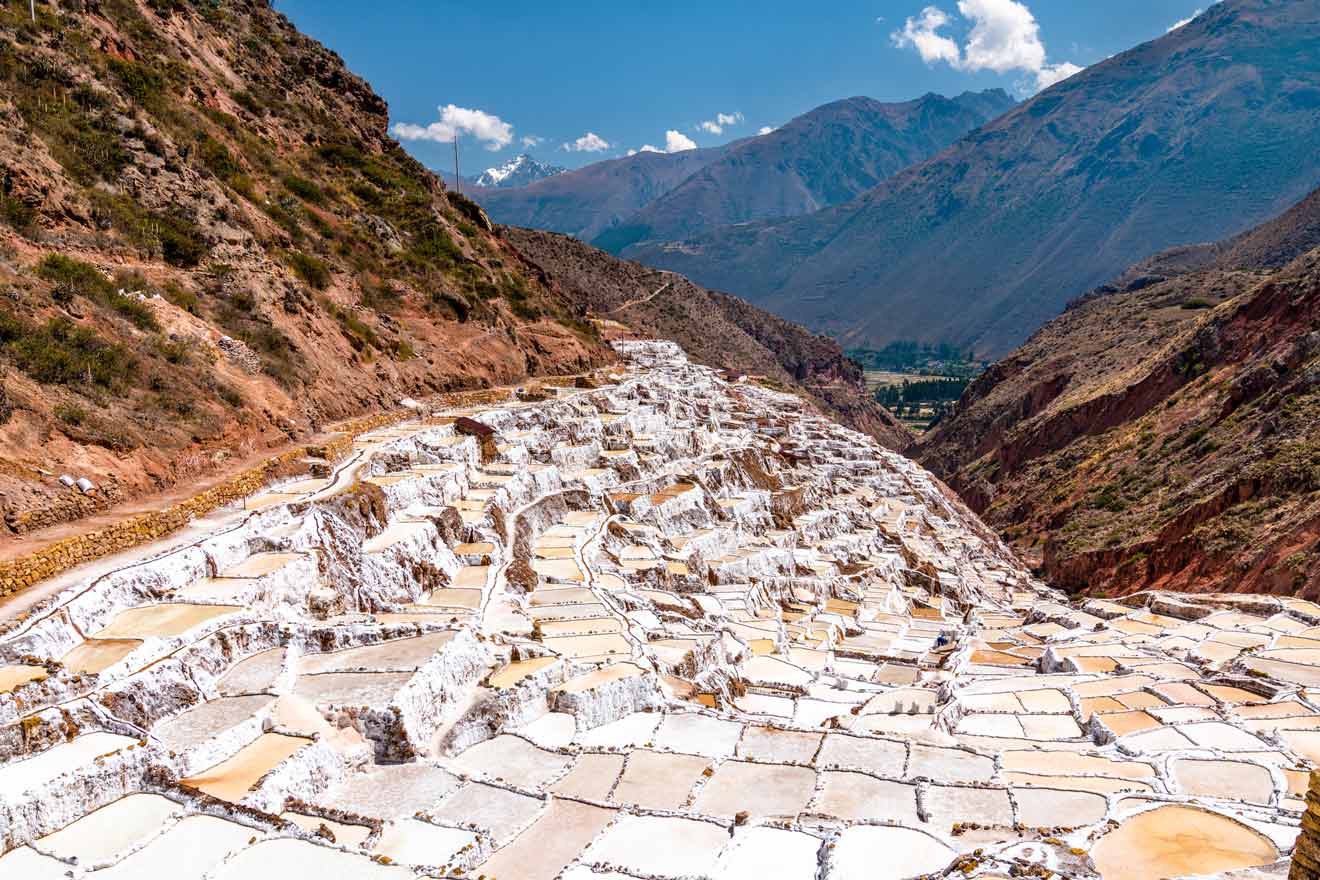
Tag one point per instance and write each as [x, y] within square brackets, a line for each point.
[32, 4]
[458, 181]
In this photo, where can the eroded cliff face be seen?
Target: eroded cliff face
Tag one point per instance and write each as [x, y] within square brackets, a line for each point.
[209, 246]
[665, 626]
[1158, 435]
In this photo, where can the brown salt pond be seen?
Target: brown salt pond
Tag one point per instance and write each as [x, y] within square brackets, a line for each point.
[545, 849]
[407, 653]
[260, 564]
[558, 570]
[166, 620]
[16, 676]
[97, 655]
[510, 674]
[344, 834]
[1176, 841]
[232, 779]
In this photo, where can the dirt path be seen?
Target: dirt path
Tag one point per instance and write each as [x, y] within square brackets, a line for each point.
[21, 545]
[646, 299]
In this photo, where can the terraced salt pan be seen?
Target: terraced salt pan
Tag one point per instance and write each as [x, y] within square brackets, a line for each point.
[110, 831]
[1177, 841]
[19, 776]
[210, 719]
[284, 859]
[15, 676]
[232, 779]
[97, 655]
[344, 834]
[412, 842]
[408, 653]
[656, 846]
[863, 852]
[261, 564]
[542, 851]
[187, 850]
[393, 790]
[351, 688]
[821, 627]
[166, 620]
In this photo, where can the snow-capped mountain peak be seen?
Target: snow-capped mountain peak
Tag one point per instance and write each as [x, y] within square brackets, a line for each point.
[519, 171]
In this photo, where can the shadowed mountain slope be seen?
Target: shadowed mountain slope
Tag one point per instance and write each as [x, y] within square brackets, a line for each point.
[1162, 431]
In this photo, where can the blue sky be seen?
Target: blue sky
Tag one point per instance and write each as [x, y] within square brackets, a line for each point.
[602, 78]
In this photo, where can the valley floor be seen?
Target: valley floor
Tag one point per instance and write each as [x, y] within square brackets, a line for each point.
[670, 627]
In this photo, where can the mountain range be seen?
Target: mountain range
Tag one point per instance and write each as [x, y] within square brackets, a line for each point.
[518, 171]
[1196, 135]
[821, 158]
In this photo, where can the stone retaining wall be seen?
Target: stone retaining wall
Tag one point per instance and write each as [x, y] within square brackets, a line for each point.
[22, 572]
[1306, 854]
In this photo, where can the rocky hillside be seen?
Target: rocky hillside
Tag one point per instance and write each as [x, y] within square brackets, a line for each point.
[714, 328]
[209, 247]
[827, 156]
[987, 241]
[1162, 431]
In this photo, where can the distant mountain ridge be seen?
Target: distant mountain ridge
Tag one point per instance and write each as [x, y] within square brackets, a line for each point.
[989, 239]
[519, 171]
[825, 156]
[587, 201]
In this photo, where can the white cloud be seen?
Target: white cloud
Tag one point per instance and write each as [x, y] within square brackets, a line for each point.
[1187, 20]
[921, 34]
[721, 122]
[588, 143]
[457, 121]
[765, 129]
[1004, 36]
[677, 142]
[1052, 73]
[532, 140]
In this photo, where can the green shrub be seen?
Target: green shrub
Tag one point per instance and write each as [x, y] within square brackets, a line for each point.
[143, 84]
[176, 351]
[217, 159]
[17, 214]
[181, 241]
[182, 297]
[62, 353]
[342, 155]
[304, 189]
[71, 413]
[250, 103]
[229, 395]
[310, 269]
[73, 277]
[1197, 302]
